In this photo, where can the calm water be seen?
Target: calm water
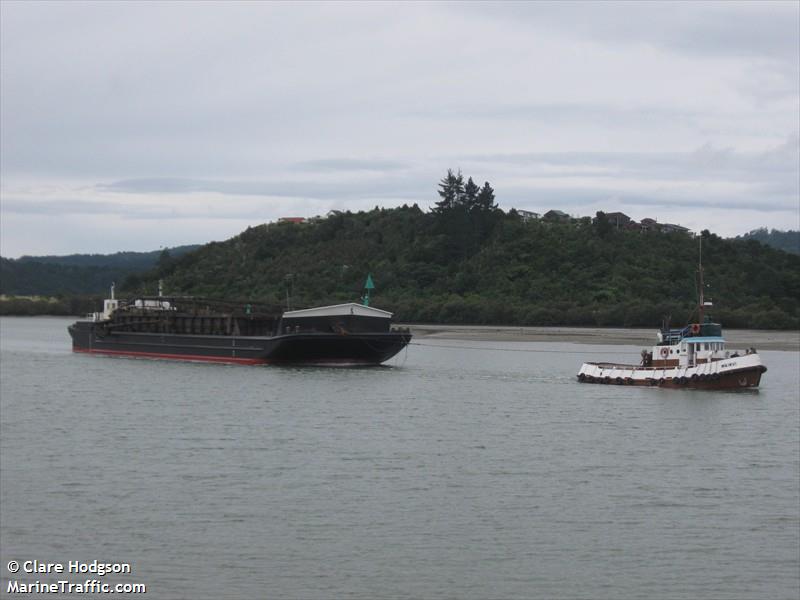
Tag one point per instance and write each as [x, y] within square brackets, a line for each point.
[463, 472]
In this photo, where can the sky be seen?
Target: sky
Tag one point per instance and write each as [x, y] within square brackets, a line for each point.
[136, 126]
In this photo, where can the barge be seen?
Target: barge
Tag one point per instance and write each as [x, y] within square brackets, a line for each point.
[198, 329]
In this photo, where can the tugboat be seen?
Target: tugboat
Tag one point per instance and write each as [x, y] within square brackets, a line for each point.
[692, 357]
[198, 329]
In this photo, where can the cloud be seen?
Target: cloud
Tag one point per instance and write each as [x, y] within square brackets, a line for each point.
[350, 164]
[247, 112]
[777, 165]
[719, 29]
[305, 188]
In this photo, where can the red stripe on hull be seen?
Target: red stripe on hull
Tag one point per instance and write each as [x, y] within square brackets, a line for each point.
[189, 357]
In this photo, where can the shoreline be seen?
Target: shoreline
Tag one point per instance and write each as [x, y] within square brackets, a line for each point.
[735, 339]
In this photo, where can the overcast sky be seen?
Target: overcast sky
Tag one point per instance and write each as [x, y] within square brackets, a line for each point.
[132, 126]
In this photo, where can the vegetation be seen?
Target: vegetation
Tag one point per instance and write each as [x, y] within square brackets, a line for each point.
[783, 240]
[466, 261]
[40, 305]
[77, 274]
[128, 260]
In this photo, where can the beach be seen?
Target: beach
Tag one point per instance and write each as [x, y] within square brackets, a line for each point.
[734, 338]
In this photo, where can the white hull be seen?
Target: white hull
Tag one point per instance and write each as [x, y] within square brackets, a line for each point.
[740, 371]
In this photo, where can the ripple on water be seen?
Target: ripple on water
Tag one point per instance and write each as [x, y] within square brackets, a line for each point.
[467, 473]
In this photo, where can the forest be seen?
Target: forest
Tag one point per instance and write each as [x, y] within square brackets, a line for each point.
[76, 274]
[784, 240]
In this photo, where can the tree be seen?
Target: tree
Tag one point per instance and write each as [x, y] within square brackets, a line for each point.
[602, 224]
[451, 192]
[471, 190]
[164, 259]
[485, 200]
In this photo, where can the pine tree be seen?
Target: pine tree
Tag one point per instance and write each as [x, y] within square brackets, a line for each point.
[485, 200]
[451, 191]
[470, 195]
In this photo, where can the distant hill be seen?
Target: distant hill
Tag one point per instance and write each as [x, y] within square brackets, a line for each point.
[783, 240]
[77, 274]
[131, 260]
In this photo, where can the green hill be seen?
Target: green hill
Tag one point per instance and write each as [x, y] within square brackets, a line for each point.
[76, 274]
[783, 240]
[463, 263]
[134, 261]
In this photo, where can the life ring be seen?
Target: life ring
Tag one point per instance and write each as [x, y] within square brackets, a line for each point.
[664, 352]
[695, 328]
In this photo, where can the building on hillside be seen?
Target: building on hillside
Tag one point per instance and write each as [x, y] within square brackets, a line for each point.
[527, 215]
[618, 219]
[671, 228]
[556, 216]
[649, 224]
[292, 220]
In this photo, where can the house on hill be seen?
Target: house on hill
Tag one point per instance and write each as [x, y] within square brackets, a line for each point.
[527, 215]
[556, 216]
[670, 228]
[292, 220]
[649, 224]
[618, 219]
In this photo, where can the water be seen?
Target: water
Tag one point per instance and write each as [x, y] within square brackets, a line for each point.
[463, 472]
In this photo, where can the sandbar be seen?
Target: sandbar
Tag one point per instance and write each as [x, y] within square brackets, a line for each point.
[734, 338]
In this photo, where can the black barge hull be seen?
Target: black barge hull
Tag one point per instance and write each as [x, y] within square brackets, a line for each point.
[310, 348]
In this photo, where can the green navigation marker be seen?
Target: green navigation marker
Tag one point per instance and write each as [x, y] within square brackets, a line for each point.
[367, 286]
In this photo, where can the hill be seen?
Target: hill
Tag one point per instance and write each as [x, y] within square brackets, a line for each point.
[76, 273]
[783, 240]
[134, 261]
[463, 263]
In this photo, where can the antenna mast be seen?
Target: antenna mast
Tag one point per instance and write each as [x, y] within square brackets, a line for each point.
[700, 271]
